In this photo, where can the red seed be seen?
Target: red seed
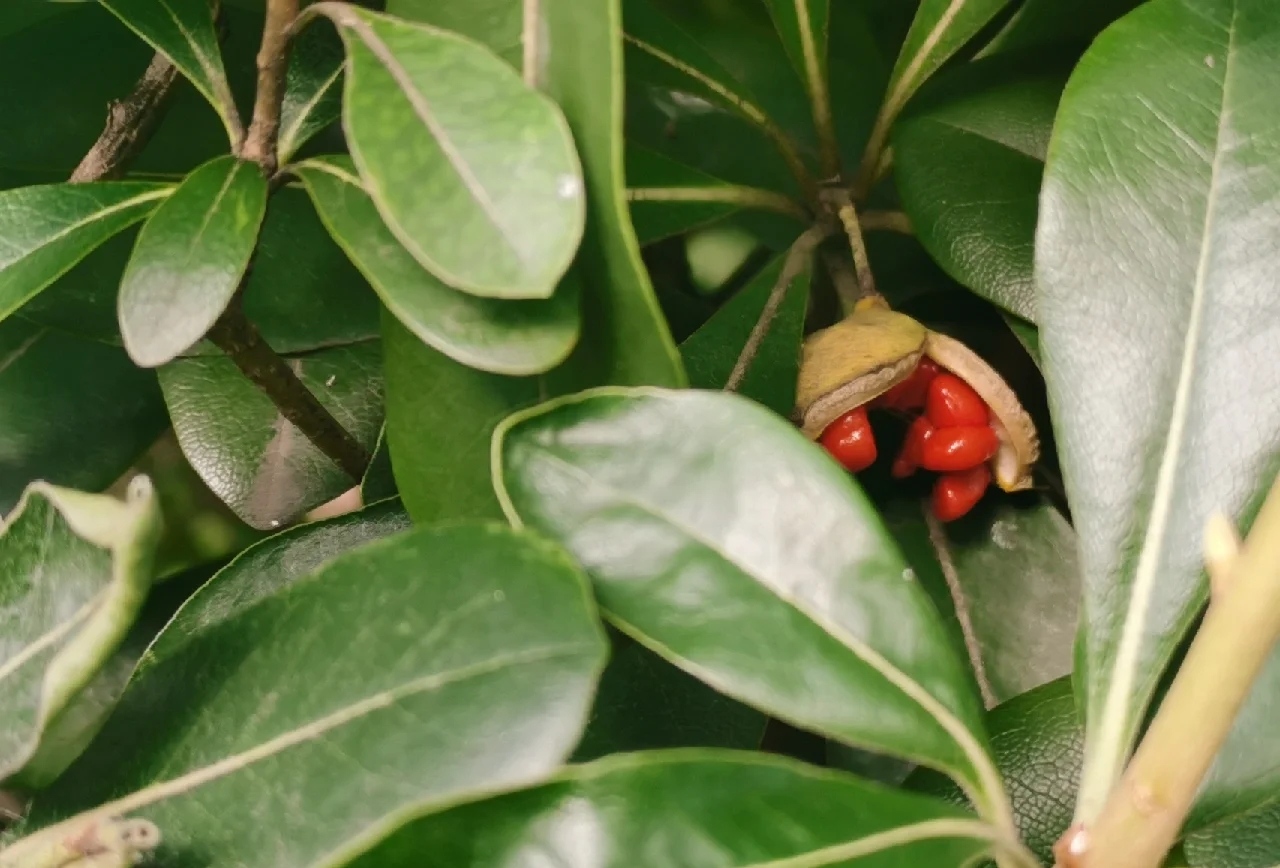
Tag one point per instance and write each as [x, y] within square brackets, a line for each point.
[909, 457]
[954, 494]
[951, 402]
[958, 448]
[850, 441]
[910, 393]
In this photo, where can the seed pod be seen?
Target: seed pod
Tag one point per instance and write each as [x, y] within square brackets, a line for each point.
[1019, 443]
[857, 359]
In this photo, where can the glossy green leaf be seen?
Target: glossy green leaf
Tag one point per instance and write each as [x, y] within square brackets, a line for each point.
[581, 63]
[485, 636]
[501, 336]
[1007, 577]
[711, 352]
[49, 228]
[302, 293]
[968, 165]
[1153, 266]
[744, 565]
[1038, 746]
[625, 340]
[74, 571]
[184, 31]
[645, 703]
[1043, 23]
[497, 24]
[495, 207]
[248, 454]
[312, 96]
[939, 30]
[76, 413]
[699, 808]
[189, 259]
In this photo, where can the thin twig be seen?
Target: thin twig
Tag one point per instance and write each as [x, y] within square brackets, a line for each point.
[727, 194]
[857, 246]
[130, 123]
[240, 339]
[890, 221]
[972, 647]
[797, 257]
[273, 64]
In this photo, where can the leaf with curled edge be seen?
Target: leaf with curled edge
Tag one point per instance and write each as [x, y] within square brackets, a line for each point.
[75, 569]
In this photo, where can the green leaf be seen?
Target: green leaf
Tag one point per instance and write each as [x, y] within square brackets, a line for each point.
[189, 259]
[939, 30]
[505, 210]
[1012, 567]
[787, 16]
[312, 97]
[1153, 264]
[581, 63]
[711, 352]
[497, 24]
[968, 165]
[1250, 840]
[1041, 24]
[303, 293]
[183, 30]
[625, 340]
[505, 337]
[485, 635]
[49, 228]
[248, 454]
[76, 413]
[645, 703]
[728, 588]
[74, 571]
[1038, 746]
[654, 810]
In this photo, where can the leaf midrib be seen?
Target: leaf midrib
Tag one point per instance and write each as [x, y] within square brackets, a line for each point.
[420, 107]
[1115, 721]
[307, 733]
[896, 677]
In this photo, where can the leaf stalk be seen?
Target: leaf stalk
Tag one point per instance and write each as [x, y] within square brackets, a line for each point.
[1143, 815]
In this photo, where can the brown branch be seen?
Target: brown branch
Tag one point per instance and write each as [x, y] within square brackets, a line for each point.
[792, 267]
[240, 339]
[130, 124]
[273, 64]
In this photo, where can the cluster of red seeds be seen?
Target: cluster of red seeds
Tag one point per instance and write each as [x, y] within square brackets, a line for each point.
[952, 437]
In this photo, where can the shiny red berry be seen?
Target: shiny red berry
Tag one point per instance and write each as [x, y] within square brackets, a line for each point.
[958, 448]
[954, 494]
[951, 403]
[908, 459]
[910, 393]
[850, 441]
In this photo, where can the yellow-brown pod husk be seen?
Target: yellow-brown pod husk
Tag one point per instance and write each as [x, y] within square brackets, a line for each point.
[1019, 442]
[845, 366]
